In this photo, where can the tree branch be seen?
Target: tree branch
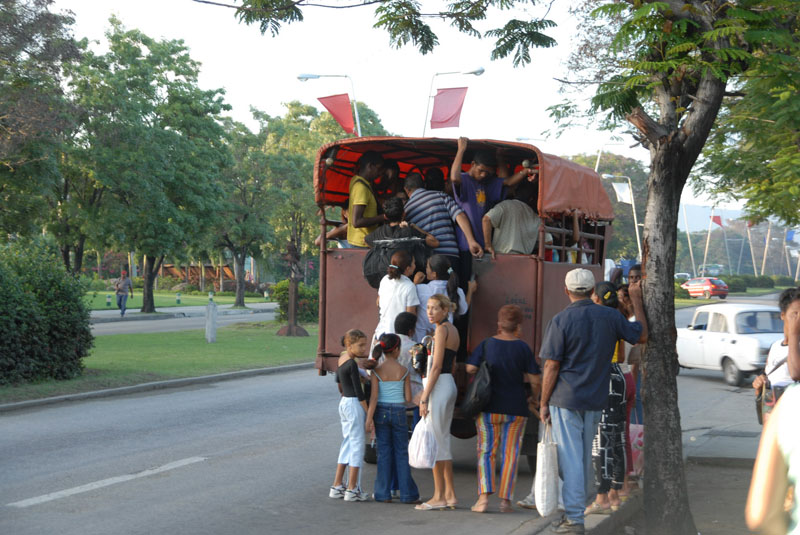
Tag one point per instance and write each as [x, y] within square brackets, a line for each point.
[651, 129]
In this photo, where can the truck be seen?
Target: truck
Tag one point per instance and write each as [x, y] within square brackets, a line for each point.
[564, 188]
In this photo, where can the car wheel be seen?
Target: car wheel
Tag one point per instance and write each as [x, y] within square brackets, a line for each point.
[706, 295]
[723, 296]
[733, 376]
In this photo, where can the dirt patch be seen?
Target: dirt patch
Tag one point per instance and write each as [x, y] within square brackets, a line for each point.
[717, 495]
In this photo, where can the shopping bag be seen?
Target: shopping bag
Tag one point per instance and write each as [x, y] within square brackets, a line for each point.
[545, 484]
[636, 437]
[422, 446]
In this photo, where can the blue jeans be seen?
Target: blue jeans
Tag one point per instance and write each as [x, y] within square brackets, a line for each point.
[122, 300]
[391, 432]
[574, 431]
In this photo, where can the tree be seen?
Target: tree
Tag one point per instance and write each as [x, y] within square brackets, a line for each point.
[154, 140]
[34, 47]
[623, 237]
[664, 67]
[755, 153]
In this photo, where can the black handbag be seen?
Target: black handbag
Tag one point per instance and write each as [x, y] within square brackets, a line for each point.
[479, 391]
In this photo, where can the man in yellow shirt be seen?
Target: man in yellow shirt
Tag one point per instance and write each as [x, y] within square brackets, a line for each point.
[362, 208]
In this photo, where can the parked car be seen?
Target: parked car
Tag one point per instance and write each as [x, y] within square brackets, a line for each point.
[733, 338]
[686, 276]
[706, 287]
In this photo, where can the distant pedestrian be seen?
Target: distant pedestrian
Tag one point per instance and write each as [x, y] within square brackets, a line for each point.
[122, 287]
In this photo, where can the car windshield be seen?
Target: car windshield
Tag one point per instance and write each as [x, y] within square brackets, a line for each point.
[761, 321]
[717, 282]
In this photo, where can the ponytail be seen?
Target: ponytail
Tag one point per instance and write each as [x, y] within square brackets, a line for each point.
[399, 263]
[441, 266]
[387, 343]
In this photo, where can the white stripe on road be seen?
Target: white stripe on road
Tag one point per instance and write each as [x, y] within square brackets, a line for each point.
[105, 483]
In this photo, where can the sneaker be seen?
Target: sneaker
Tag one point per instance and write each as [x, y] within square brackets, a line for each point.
[337, 492]
[565, 525]
[355, 495]
[528, 502]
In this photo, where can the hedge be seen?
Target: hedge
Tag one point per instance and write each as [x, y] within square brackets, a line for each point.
[783, 280]
[307, 301]
[44, 321]
[681, 293]
[736, 284]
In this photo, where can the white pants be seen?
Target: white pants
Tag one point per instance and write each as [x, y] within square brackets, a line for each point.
[353, 417]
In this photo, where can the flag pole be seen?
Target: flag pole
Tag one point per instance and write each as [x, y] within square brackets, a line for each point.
[727, 251]
[752, 250]
[689, 239]
[703, 267]
[766, 248]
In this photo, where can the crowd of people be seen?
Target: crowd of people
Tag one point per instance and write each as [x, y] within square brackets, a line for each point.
[581, 383]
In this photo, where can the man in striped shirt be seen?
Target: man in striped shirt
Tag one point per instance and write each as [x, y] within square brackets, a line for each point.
[435, 212]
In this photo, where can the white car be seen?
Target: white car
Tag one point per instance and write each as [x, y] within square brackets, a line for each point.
[734, 338]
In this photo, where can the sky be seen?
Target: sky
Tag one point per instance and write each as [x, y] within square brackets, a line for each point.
[504, 103]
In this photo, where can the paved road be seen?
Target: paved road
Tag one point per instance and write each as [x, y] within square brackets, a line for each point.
[247, 456]
[192, 317]
[255, 456]
[176, 324]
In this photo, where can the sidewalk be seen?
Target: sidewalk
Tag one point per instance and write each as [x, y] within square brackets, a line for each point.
[112, 314]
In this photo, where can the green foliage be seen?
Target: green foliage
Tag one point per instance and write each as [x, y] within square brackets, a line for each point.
[783, 280]
[680, 293]
[307, 301]
[763, 281]
[34, 112]
[406, 23]
[44, 322]
[736, 284]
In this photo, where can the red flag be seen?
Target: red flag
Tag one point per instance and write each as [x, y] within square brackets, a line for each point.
[447, 106]
[750, 224]
[717, 219]
[339, 107]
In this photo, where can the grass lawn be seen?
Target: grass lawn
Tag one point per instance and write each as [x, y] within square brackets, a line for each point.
[97, 300]
[129, 359]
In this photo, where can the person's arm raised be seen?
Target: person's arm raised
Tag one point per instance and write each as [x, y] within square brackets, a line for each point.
[455, 169]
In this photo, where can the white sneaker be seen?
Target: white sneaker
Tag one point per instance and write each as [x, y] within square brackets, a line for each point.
[528, 502]
[337, 492]
[355, 495]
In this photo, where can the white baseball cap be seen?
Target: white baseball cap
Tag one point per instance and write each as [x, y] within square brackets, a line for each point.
[579, 280]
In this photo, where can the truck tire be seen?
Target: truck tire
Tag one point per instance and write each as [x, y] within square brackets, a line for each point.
[733, 375]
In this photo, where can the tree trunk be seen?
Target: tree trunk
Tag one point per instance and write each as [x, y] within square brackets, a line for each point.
[65, 257]
[78, 257]
[238, 266]
[149, 271]
[666, 500]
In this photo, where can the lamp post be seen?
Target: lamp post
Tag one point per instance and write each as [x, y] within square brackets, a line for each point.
[474, 72]
[306, 76]
[633, 209]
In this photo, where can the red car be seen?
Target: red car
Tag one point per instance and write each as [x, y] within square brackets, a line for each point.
[706, 287]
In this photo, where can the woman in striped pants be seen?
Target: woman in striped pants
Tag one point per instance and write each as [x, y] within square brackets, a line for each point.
[502, 422]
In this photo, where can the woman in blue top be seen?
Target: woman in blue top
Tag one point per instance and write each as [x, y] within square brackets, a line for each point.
[501, 424]
[391, 389]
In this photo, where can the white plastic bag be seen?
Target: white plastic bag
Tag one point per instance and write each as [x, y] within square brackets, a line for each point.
[422, 447]
[545, 485]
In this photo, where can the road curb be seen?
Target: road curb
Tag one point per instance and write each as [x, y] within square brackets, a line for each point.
[156, 385]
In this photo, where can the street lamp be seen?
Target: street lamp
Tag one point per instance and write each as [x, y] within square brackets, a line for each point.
[600, 151]
[474, 72]
[306, 76]
[633, 209]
